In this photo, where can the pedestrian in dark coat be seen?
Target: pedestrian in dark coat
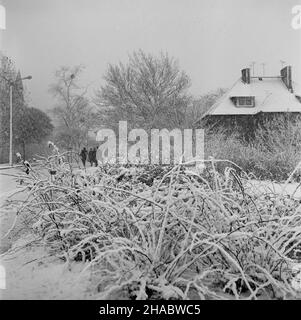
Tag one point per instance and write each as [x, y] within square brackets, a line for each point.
[83, 156]
[94, 157]
[90, 157]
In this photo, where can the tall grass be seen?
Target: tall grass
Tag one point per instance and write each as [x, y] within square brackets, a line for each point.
[272, 154]
[166, 233]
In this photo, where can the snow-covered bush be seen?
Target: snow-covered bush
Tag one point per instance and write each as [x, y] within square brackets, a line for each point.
[166, 232]
[272, 154]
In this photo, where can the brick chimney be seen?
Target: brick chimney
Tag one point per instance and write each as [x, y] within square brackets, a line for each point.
[245, 75]
[286, 75]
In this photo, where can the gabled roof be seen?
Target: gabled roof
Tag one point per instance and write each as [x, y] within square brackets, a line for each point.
[271, 95]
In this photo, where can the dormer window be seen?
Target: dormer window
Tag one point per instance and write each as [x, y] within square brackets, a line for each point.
[246, 102]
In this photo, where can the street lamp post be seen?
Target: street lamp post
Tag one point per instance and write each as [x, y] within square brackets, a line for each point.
[11, 124]
[11, 84]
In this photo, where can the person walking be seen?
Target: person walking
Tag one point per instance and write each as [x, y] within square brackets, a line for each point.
[94, 156]
[90, 157]
[83, 156]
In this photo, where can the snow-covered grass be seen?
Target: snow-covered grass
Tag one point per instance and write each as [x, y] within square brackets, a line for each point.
[165, 233]
[272, 153]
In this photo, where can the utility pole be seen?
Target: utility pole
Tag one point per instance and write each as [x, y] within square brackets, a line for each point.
[11, 124]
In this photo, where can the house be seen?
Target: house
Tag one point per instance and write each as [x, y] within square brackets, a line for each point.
[252, 98]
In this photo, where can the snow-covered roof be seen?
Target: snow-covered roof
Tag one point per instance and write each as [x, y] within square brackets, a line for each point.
[271, 95]
[297, 89]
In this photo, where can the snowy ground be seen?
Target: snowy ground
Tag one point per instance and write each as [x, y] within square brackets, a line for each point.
[31, 274]
[290, 189]
[8, 187]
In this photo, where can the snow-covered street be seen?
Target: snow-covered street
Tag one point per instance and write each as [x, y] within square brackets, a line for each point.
[29, 274]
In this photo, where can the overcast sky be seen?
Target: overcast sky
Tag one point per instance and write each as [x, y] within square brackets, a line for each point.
[212, 39]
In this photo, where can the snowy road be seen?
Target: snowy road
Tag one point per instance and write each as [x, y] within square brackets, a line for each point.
[29, 274]
[8, 187]
[8, 183]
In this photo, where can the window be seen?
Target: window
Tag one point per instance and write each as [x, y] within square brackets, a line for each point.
[245, 101]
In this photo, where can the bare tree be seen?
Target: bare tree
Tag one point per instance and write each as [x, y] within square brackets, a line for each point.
[30, 125]
[201, 105]
[73, 112]
[9, 73]
[148, 91]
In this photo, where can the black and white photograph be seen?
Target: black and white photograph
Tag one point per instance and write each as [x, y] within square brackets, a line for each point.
[150, 150]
